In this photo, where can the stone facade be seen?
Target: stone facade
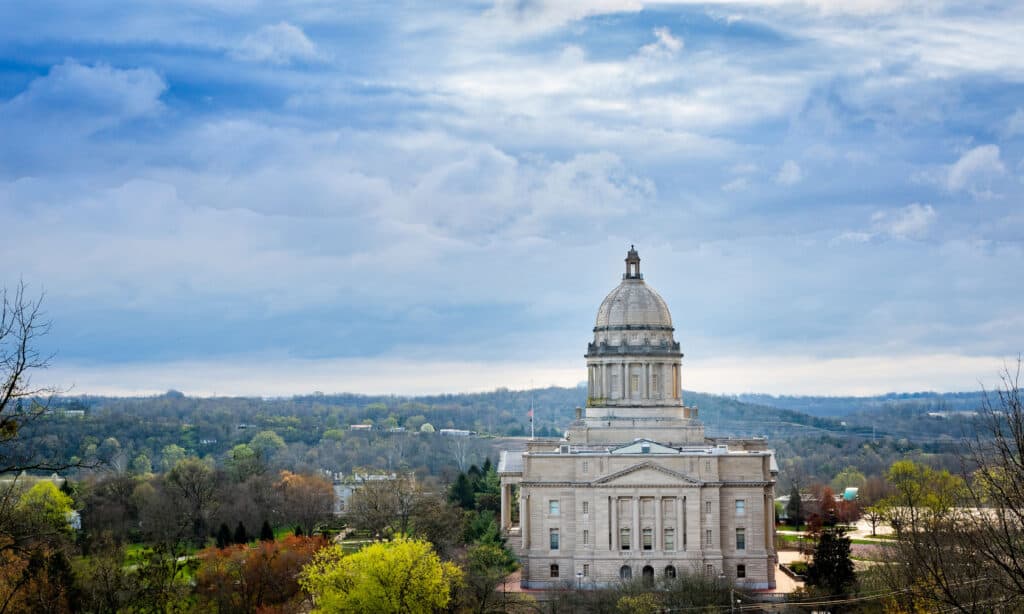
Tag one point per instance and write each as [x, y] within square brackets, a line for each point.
[635, 489]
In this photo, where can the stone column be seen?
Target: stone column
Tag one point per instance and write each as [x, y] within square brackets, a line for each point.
[659, 522]
[524, 520]
[613, 543]
[680, 523]
[635, 545]
[647, 380]
[604, 381]
[625, 383]
[505, 511]
[698, 530]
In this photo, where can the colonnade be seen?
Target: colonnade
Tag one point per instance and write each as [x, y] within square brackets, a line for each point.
[658, 380]
[636, 525]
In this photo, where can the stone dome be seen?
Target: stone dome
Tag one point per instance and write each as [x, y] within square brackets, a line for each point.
[633, 304]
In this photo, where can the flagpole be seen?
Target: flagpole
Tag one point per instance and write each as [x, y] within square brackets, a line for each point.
[531, 409]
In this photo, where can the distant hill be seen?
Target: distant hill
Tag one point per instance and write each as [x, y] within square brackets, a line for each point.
[839, 407]
[867, 433]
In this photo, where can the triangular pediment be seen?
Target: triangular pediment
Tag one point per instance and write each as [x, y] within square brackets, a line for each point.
[644, 446]
[645, 473]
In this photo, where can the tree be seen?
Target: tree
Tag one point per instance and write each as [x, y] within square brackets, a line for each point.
[266, 444]
[21, 327]
[373, 507]
[224, 538]
[141, 465]
[827, 506]
[461, 492]
[171, 455]
[794, 509]
[255, 579]
[45, 503]
[241, 535]
[159, 579]
[438, 522]
[103, 581]
[193, 481]
[849, 477]
[960, 546]
[266, 532]
[304, 499]
[243, 462]
[874, 515]
[404, 575]
[487, 565]
[932, 563]
[831, 567]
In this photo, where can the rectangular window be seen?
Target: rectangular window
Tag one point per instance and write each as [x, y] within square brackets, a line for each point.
[707, 465]
[624, 539]
[586, 466]
[741, 507]
[741, 539]
[646, 506]
[709, 570]
[741, 571]
[586, 507]
[553, 535]
[707, 538]
[553, 507]
[670, 539]
[586, 537]
[586, 570]
[648, 537]
[554, 571]
[707, 507]
[634, 383]
[654, 383]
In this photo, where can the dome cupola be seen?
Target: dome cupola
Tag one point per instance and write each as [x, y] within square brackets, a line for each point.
[634, 359]
[633, 304]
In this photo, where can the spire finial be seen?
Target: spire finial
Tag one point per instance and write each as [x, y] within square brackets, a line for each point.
[632, 264]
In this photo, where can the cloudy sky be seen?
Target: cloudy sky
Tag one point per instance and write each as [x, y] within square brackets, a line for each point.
[273, 197]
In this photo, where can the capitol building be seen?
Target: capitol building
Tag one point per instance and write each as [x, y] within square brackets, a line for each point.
[635, 489]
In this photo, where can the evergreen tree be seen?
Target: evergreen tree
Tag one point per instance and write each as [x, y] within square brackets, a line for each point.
[461, 492]
[266, 533]
[831, 567]
[241, 536]
[223, 536]
[794, 509]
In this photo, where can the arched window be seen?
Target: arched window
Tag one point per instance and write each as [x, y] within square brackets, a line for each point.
[625, 572]
[648, 575]
[670, 572]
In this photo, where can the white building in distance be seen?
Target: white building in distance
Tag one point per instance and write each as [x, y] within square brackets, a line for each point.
[635, 489]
